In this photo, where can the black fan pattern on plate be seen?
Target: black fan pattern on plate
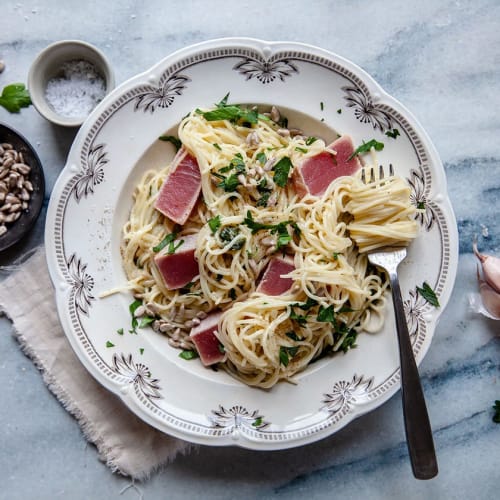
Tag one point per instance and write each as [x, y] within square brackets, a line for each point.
[93, 174]
[137, 374]
[81, 283]
[237, 417]
[266, 70]
[163, 95]
[365, 111]
[345, 393]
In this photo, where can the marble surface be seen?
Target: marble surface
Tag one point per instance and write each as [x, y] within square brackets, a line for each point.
[441, 59]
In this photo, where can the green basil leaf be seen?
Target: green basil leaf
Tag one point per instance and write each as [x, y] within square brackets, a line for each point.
[366, 146]
[175, 141]
[281, 171]
[428, 294]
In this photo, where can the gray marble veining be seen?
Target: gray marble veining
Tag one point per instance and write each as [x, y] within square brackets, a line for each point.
[441, 59]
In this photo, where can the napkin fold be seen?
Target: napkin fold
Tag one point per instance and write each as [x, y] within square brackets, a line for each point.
[124, 442]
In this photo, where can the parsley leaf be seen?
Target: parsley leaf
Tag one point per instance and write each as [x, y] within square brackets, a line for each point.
[280, 229]
[292, 335]
[287, 352]
[230, 183]
[214, 223]
[393, 133]
[188, 354]
[233, 113]
[349, 341]
[255, 226]
[145, 321]
[261, 158]
[281, 171]
[283, 237]
[305, 306]
[262, 201]
[175, 141]
[428, 294]
[366, 146]
[14, 97]
[164, 242]
[229, 233]
[326, 314]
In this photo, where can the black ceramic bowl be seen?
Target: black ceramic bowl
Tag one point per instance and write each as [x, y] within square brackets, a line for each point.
[19, 228]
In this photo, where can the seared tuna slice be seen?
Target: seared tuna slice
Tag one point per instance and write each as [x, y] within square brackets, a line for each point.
[181, 188]
[179, 268]
[315, 174]
[207, 344]
[272, 282]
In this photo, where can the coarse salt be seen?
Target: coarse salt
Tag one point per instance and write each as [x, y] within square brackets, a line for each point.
[76, 92]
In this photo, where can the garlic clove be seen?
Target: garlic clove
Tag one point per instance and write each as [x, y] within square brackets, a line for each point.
[489, 297]
[491, 268]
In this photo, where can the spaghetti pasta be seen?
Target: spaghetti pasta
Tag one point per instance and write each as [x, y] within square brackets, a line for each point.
[248, 213]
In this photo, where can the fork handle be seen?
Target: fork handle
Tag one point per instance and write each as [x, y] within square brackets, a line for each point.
[417, 426]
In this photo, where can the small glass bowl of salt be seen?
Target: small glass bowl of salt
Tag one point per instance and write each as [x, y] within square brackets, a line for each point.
[67, 80]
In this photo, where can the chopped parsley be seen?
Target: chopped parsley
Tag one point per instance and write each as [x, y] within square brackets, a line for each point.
[216, 146]
[280, 229]
[228, 184]
[257, 422]
[170, 241]
[301, 318]
[261, 158]
[281, 171]
[110, 344]
[234, 113]
[230, 233]
[175, 141]
[421, 205]
[311, 140]
[393, 133]
[237, 164]
[262, 201]
[119, 331]
[135, 322]
[428, 294]
[321, 105]
[188, 354]
[214, 223]
[366, 146]
[340, 329]
[286, 353]
[231, 182]
[264, 191]
[301, 150]
[187, 287]
[141, 350]
[145, 321]
[339, 111]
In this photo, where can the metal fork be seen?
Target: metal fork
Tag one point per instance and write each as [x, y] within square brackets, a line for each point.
[416, 419]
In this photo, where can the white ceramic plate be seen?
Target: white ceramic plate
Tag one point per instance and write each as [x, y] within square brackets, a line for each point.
[321, 92]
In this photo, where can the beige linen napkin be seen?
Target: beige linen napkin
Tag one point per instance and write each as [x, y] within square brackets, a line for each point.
[125, 443]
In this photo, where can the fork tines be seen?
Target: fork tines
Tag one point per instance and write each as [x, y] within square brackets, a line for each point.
[372, 176]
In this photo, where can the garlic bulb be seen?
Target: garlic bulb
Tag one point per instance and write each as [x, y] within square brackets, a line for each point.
[488, 276]
[491, 268]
